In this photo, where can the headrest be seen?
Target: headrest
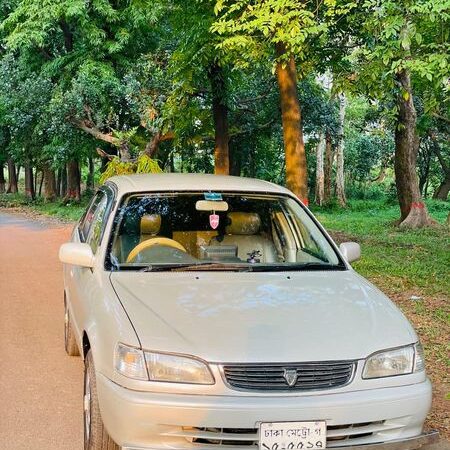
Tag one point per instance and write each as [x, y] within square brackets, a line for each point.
[150, 224]
[243, 223]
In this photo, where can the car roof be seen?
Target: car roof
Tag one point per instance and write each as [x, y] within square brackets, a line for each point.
[170, 182]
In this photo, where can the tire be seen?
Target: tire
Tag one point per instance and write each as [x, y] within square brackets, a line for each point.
[95, 435]
[70, 343]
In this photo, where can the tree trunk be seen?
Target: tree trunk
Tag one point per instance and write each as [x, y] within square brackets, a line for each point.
[58, 182]
[413, 211]
[294, 148]
[2, 180]
[235, 160]
[73, 182]
[35, 179]
[328, 168]
[29, 184]
[41, 184]
[172, 162]
[64, 181]
[319, 197]
[49, 184]
[443, 189]
[12, 178]
[340, 180]
[220, 118]
[90, 178]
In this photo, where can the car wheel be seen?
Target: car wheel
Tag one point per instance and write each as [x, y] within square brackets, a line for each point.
[70, 342]
[95, 435]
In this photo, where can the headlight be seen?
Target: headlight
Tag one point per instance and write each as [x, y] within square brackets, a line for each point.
[398, 361]
[142, 365]
[177, 369]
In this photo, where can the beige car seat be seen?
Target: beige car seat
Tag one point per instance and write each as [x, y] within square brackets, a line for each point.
[150, 226]
[242, 231]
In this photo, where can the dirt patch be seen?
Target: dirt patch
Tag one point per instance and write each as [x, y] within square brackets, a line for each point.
[339, 237]
[430, 316]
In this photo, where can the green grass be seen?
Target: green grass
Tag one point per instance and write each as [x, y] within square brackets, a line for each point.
[392, 257]
[67, 212]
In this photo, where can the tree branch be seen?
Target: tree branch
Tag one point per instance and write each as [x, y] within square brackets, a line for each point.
[94, 131]
[441, 117]
[103, 154]
[152, 146]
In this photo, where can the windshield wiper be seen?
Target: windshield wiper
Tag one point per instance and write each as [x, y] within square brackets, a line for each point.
[162, 267]
[298, 267]
[204, 266]
[215, 266]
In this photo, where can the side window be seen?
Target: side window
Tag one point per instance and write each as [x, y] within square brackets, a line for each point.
[88, 218]
[97, 225]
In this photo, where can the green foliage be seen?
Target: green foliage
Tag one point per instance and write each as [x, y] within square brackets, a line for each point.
[401, 34]
[76, 75]
[252, 29]
[143, 164]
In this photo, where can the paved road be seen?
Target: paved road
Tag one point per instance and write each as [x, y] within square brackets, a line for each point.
[40, 387]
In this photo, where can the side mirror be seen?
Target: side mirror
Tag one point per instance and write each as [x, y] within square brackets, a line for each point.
[77, 254]
[351, 251]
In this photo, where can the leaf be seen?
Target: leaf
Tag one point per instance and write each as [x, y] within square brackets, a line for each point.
[406, 43]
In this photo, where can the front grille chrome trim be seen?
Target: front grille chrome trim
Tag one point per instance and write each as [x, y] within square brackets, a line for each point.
[266, 377]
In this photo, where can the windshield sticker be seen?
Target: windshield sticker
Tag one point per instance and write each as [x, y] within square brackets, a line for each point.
[214, 221]
[213, 196]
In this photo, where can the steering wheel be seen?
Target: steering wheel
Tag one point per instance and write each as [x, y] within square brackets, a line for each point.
[151, 242]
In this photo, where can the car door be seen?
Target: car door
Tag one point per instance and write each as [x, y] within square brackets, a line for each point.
[84, 282]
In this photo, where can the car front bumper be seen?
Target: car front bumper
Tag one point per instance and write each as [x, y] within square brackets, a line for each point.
[378, 419]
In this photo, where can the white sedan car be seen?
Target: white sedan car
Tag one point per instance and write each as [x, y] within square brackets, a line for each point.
[215, 312]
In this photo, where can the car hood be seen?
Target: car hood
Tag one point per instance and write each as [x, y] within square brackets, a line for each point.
[261, 317]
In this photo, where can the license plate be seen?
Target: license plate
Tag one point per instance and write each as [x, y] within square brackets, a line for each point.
[292, 435]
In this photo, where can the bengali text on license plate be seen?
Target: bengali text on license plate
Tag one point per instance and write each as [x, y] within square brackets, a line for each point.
[293, 435]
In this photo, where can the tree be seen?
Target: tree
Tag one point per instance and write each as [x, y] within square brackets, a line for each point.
[86, 53]
[200, 73]
[399, 39]
[220, 118]
[281, 30]
[340, 179]
[319, 197]
[12, 178]
[444, 187]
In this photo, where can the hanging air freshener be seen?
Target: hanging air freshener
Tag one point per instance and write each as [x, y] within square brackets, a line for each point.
[214, 220]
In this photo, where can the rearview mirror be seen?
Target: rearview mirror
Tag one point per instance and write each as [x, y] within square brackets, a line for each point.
[351, 251]
[77, 254]
[211, 205]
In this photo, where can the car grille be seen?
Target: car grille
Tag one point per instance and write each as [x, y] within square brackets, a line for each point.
[246, 438]
[296, 377]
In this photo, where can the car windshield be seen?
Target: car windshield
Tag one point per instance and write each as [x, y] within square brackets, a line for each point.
[217, 231]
